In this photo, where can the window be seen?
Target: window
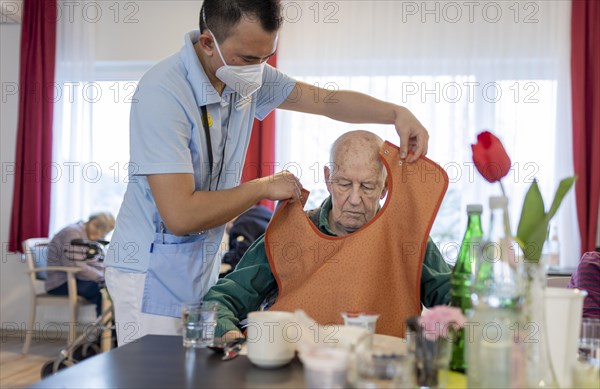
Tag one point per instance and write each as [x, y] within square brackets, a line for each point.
[508, 74]
[110, 143]
[449, 107]
[91, 142]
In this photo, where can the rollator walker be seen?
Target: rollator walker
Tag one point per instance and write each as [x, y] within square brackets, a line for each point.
[97, 336]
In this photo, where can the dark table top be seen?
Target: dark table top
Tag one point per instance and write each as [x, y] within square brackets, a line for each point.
[555, 271]
[156, 361]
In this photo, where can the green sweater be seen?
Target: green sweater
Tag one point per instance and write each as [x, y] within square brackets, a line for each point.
[244, 289]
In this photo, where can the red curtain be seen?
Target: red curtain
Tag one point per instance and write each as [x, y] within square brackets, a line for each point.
[260, 157]
[585, 78]
[31, 195]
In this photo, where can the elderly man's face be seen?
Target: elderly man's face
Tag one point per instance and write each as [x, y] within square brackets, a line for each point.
[356, 184]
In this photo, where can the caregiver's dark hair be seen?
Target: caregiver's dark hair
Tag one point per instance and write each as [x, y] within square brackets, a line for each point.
[222, 16]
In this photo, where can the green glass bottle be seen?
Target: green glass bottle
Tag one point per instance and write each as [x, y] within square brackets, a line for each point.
[462, 278]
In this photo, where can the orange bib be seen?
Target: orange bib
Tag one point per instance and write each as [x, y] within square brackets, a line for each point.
[375, 269]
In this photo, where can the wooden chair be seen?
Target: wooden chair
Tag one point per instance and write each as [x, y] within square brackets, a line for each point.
[35, 252]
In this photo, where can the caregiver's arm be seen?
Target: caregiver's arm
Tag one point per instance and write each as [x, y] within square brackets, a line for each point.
[354, 107]
[185, 210]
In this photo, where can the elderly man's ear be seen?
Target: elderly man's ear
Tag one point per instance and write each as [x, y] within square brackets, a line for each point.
[327, 173]
[384, 191]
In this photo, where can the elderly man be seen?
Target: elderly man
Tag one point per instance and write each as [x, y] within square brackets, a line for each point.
[347, 254]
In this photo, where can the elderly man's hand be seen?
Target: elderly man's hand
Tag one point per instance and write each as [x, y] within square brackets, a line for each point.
[413, 136]
[232, 335]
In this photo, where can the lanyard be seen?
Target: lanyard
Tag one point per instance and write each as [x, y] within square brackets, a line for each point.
[209, 145]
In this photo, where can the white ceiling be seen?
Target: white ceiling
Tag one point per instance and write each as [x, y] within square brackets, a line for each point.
[11, 11]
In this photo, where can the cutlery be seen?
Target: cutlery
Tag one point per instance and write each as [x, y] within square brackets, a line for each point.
[230, 349]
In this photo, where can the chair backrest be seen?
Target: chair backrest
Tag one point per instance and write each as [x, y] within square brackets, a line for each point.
[35, 251]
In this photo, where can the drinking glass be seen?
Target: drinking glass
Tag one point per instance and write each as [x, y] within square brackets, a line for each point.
[199, 321]
[586, 373]
[431, 359]
[589, 341]
[384, 367]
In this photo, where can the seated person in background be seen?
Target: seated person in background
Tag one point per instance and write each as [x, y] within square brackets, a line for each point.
[62, 253]
[356, 181]
[243, 231]
[587, 277]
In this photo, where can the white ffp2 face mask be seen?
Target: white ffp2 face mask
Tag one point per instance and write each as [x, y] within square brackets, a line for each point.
[245, 79]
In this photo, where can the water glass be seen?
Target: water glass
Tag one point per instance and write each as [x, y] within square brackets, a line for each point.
[586, 373]
[431, 359]
[589, 340]
[384, 367]
[199, 321]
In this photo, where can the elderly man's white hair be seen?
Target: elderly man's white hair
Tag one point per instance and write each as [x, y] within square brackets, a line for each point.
[361, 138]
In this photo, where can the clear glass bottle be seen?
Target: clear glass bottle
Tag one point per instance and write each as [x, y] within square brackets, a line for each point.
[494, 355]
[551, 249]
[462, 279]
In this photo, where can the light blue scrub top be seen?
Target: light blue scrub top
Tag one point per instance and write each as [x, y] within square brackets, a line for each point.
[167, 136]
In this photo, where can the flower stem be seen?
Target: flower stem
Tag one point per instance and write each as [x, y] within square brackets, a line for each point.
[507, 231]
[502, 187]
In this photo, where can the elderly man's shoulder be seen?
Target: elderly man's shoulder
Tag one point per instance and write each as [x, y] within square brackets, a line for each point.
[313, 215]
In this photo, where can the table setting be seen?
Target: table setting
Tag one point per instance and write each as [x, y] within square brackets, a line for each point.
[503, 328]
[339, 356]
[536, 328]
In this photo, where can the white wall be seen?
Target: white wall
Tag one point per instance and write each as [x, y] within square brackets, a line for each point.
[146, 30]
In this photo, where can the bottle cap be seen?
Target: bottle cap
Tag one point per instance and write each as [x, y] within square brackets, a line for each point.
[474, 208]
[498, 202]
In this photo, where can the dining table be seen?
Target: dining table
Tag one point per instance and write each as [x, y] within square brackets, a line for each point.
[159, 361]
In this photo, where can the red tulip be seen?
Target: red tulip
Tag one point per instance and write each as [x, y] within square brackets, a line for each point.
[490, 158]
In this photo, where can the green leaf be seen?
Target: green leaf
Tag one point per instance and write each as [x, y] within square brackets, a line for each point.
[563, 188]
[533, 225]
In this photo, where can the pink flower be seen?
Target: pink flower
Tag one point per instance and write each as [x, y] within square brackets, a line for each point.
[436, 321]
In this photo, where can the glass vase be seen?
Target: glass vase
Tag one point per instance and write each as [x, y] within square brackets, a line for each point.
[534, 332]
[431, 358]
